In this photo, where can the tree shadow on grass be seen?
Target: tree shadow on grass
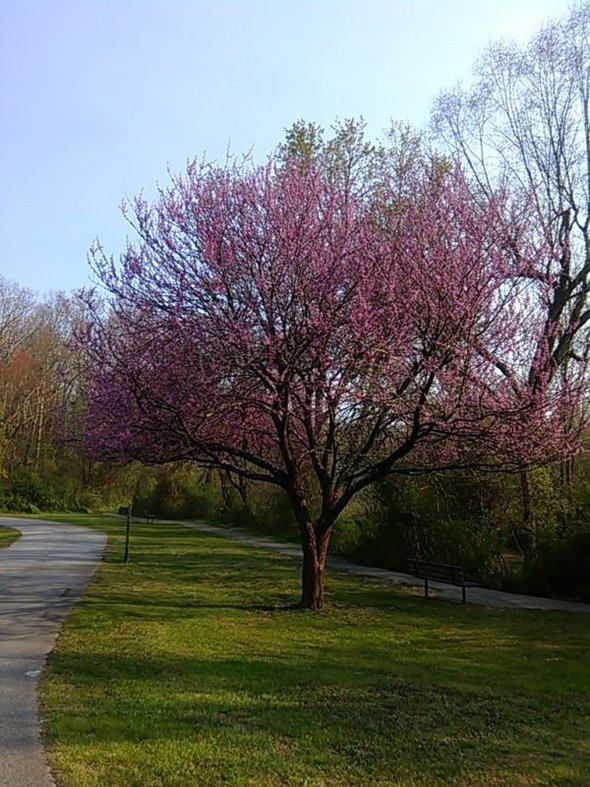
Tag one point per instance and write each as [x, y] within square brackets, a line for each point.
[317, 709]
[197, 577]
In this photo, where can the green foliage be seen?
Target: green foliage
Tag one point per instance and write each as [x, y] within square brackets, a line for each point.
[30, 494]
[176, 492]
[273, 513]
[303, 144]
[354, 532]
[18, 505]
[462, 518]
[258, 507]
[346, 155]
[403, 518]
[561, 568]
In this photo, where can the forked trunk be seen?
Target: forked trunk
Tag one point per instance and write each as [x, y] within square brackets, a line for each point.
[315, 550]
[314, 543]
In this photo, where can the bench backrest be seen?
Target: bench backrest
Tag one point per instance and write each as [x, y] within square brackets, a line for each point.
[443, 572]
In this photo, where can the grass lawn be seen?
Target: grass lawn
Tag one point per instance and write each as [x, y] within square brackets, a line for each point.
[8, 535]
[184, 668]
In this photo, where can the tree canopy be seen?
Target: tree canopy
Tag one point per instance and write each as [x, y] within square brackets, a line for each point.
[283, 325]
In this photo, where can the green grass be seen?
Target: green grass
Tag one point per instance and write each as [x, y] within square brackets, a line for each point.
[8, 535]
[186, 668]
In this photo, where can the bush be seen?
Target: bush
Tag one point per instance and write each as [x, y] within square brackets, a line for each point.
[19, 505]
[561, 568]
[177, 493]
[89, 501]
[353, 534]
[29, 494]
[402, 518]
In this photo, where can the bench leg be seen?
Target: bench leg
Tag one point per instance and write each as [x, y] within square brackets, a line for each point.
[425, 588]
[463, 594]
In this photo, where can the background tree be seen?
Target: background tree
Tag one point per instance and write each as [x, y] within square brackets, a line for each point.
[525, 121]
[37, 471]
[17, 323]
[274, 323]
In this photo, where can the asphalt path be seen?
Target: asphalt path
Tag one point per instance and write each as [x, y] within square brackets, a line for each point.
[42, 575]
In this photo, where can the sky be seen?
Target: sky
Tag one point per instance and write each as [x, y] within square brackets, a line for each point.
[100, 98]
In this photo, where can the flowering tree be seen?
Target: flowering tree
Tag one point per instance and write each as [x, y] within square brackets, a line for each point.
[273, 323]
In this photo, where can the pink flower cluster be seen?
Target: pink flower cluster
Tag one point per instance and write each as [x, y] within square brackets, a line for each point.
[271, 323]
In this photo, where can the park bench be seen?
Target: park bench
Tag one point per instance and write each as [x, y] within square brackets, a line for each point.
[438, 572]
[150, 517]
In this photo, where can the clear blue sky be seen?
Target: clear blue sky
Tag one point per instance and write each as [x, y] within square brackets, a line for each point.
[98, 97]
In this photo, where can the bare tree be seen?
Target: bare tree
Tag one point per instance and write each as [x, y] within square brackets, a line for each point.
[33, 353]
[17, 306]
[525, 123]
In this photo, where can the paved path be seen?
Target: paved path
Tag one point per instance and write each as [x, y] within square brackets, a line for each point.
[42, 575]
[482, 596]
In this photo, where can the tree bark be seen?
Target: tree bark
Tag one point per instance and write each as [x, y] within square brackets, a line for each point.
[565, 487]
[315, 550]
[314, 543]
[529, 541]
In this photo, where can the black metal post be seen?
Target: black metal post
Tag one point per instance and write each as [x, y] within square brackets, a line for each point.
[127, 534]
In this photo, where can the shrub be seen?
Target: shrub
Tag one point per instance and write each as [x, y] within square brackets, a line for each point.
[29, 494]
[561, 568]
[19, 505]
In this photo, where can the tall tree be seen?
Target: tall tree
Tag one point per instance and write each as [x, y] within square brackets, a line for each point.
[275, 323]
[17, 326]
[33, 352]
[525, 121]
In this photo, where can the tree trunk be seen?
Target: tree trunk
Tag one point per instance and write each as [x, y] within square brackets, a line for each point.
[238, 484]
[529, 540]
[565, 487]
[314, 543]
[40, 425]
[315, 550]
